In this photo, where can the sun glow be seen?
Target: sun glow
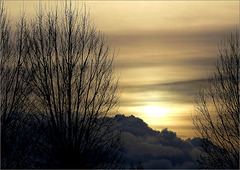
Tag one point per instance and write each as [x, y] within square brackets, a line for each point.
[155, 111]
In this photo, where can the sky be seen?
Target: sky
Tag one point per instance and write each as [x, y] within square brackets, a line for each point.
[165, 50]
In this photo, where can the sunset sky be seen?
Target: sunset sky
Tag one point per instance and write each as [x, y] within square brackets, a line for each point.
[165, 49]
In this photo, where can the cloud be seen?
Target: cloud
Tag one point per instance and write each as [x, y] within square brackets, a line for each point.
[176, 92]
[153, 148]
[171, 38]
[204, 62]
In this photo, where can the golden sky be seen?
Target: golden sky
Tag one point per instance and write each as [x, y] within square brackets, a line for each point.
[165, 49]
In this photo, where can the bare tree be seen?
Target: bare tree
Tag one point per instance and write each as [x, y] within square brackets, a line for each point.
[74, 88]
[14, 92]
[216, 116]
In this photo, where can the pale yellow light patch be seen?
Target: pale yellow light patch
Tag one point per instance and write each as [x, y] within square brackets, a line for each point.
[155, 111]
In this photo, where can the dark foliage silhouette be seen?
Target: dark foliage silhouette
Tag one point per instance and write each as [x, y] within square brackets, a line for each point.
[216, 116]
[138, 165]
[58, 88]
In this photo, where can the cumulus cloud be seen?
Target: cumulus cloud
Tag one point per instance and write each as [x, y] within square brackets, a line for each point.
[153, 148]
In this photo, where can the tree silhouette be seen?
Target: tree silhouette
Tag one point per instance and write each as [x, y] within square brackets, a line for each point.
[64, 73]
[74, 87]
[216, 116]
[14, 91]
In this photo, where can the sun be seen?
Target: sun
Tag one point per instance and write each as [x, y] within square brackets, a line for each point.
[155, 111]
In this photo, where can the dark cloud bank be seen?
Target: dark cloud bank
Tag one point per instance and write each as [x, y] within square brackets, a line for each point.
[153, 148]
